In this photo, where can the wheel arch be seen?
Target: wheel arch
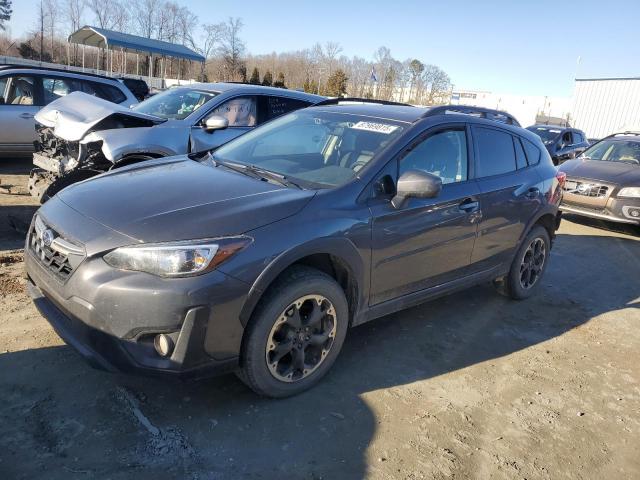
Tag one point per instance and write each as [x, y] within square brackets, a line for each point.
[337, 257]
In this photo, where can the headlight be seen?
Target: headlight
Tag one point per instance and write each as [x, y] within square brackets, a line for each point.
[629, 192]
[176, 259]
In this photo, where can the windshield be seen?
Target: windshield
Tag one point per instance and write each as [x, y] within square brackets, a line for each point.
[615, 150]
[547, 134]
[322, 148]
[176, 103]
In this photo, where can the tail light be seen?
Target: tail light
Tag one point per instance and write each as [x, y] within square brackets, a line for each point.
[561, 177]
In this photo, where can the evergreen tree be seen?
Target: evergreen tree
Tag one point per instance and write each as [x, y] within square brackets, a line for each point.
[267, 80]
[279, 81]
[5, 13]
[337, 84]
[255, 77]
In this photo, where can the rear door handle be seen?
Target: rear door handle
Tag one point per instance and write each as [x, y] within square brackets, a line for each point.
[469, 206]
[26, 115]
[533, 193]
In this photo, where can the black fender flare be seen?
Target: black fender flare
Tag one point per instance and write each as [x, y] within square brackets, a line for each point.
[340, 247]
[545, 210]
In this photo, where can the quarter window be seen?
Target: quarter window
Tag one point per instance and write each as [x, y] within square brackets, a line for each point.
[104, 91]
[495, 152]
[521, 159]
[443, 154]
[533, 152]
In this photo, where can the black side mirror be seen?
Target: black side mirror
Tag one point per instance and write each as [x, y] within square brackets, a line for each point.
[417, 184]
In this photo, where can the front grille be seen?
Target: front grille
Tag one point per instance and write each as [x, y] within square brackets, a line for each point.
[55, 253]
[585, 189]
[54, 147]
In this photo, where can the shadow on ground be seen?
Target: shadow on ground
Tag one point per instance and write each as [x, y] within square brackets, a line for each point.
[61, 418]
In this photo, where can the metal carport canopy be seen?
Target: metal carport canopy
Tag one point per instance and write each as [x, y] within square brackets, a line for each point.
[103, 38]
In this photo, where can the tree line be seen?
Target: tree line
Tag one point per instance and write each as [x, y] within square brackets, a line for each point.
[321, 69]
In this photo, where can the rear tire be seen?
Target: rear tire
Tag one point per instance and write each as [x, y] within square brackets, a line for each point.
[528, 266]
[295, 334]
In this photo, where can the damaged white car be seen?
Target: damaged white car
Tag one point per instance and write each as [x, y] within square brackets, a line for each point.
[80, 136]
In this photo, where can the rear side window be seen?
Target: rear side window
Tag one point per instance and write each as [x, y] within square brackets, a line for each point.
[533, 152]
[276, 106]
[495, 153]
[104, 91]
[57, 87]
[521, 159]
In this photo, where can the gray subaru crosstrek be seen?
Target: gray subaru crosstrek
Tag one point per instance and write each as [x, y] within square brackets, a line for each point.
[258, 257]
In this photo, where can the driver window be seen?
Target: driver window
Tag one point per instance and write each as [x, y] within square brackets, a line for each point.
[443, 154]
[566, 139]
[21, 91]
[240, 111]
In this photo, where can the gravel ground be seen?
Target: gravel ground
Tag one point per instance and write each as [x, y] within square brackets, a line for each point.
[469, 386]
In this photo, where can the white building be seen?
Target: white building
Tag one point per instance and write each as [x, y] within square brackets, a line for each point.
[524, 107]
[602, 106]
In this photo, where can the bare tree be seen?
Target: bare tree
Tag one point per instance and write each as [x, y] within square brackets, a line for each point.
[232, 48]
[331, 51]
[73, 12]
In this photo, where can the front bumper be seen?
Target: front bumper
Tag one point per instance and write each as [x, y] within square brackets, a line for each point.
[620, 210]
[111, 318]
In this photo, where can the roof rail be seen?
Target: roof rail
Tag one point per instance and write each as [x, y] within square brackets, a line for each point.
[488, 113]
[6, 66]
[337, 100]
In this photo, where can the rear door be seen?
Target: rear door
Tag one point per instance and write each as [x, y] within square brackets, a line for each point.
[427, 241]
[21, 100]
[510, 195]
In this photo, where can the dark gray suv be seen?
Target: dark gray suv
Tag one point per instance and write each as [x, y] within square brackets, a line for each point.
[257, 258]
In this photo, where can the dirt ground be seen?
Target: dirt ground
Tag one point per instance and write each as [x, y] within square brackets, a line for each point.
[469, 386]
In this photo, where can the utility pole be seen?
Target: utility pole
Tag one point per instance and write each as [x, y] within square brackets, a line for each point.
[41, 28]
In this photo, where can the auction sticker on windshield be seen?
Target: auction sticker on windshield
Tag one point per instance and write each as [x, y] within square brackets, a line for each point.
[375, 127]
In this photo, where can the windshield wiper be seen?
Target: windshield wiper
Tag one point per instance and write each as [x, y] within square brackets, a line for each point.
[256, 172]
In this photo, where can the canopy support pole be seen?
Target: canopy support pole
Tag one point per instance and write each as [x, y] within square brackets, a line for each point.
[137, 63]
[83, 45]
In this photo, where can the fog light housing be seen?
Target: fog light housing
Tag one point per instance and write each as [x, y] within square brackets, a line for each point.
[163, 344]
[631, 212]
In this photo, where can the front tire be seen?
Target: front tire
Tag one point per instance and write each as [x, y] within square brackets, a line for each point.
[528, 266]
[295, 334]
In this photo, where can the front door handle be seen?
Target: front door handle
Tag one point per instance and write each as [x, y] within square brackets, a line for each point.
[26, 115]
[469, 206]
[533, 193]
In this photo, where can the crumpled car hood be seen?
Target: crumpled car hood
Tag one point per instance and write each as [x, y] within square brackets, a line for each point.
[615, 172]
[73, 115]
[180, 199]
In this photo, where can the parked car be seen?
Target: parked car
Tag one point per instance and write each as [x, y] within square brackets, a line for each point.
[258, 257]
[137, 86]
[25, 90]
[80, 136]
[604, 182]
[562, 143]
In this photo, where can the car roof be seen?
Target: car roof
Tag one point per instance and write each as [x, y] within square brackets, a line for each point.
[410, 114]
[38, 69]
[550, 127]
[400, 113]
[223, 87]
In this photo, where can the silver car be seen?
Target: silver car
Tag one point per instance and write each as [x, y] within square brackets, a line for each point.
[81, 136]
[25, 90]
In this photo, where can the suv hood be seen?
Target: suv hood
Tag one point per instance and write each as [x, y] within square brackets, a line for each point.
[181, 199]
[73, 115]
[612, 172]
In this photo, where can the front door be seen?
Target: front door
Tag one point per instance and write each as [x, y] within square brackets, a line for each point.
[18, 106]
[427, 241]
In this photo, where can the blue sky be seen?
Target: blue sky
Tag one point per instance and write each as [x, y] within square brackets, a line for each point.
[522, 47]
